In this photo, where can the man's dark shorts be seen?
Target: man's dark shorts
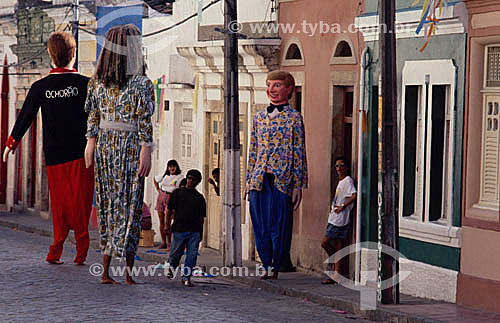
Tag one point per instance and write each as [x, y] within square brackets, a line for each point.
[335, 232]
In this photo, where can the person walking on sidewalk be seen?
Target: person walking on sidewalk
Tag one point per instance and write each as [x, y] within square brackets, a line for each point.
[61, 95]
[120, 103]
[165, 184]
[338, 220]
[189, 210]
[277, 172]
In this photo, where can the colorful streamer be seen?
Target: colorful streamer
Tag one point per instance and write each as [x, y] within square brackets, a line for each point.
[428, 18]
[162, 105]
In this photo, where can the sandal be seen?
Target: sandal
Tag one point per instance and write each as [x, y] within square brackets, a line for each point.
[328, 281]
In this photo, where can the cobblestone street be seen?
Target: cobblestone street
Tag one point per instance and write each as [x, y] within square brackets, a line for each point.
[35, 291]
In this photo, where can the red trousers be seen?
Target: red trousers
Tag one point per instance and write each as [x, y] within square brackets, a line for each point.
[71, 188]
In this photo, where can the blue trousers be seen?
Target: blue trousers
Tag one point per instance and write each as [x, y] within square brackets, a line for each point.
[272, 219]
[192, 241]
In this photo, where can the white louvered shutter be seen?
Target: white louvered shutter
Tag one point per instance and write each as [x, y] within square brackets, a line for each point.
[490, 184]
[420, 161]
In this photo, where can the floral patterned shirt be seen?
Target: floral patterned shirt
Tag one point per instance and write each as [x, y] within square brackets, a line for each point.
[278, 144]
[133, 105]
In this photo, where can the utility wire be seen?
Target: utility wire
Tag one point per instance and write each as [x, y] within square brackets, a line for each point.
[36, 55]
[164, 29]
[146, 35]
[44, 48]
[182, 21]
[87, 31]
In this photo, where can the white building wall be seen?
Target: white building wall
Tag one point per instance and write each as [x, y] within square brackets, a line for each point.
[159, 50]
[248, 11]
[209, 64]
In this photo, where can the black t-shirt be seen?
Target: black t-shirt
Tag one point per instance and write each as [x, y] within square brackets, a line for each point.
[62, 98]
[190, 208]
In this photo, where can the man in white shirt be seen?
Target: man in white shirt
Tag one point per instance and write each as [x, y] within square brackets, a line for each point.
[338, 220]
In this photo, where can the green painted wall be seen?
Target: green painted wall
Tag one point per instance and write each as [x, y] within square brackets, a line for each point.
[440, 47]
[429, 253]
[370, 220]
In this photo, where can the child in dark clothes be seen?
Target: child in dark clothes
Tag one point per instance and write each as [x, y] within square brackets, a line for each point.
[188, 208]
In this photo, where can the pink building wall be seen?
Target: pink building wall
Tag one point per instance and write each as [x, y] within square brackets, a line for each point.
[319, 77]
[479, 277]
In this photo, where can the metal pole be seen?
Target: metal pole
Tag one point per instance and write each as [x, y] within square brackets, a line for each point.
[388, 149]
[232, 200]
[74, 29]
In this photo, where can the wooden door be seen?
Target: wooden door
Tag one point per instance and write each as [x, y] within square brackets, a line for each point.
[214, 207]
[216, 156]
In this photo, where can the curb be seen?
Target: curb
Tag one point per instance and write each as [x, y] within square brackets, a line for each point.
[380, 314]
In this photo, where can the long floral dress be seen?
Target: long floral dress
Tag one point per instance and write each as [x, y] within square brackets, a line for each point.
[119, 189]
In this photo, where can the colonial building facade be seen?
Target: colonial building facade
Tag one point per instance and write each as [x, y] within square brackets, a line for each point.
[430, 127]
[479, 277]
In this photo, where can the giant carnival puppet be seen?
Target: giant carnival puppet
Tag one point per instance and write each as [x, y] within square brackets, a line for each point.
[61, 95]
[277, 172]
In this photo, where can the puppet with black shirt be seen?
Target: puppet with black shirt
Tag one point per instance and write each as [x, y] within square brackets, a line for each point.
[61, 96]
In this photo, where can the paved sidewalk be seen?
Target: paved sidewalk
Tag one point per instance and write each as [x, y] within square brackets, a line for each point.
[298, 284]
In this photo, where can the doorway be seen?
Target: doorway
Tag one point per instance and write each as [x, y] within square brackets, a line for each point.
[215, 151]
[31, 182]
[343, 104]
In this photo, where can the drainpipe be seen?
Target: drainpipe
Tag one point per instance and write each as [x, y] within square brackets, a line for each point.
[365, 61]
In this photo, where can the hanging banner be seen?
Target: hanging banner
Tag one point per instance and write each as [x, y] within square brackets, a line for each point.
[108, 17]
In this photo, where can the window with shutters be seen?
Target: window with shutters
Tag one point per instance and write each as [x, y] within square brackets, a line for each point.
[186, 145]
[427, 152]
[490, 152]
[187, 116]
[427, 143]
[492, 79]
[185, 141]
[186, 159]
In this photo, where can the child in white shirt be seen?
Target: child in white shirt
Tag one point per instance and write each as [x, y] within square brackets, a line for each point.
[165, 184]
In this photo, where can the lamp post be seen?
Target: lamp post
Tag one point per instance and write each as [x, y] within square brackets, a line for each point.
[232, 197]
